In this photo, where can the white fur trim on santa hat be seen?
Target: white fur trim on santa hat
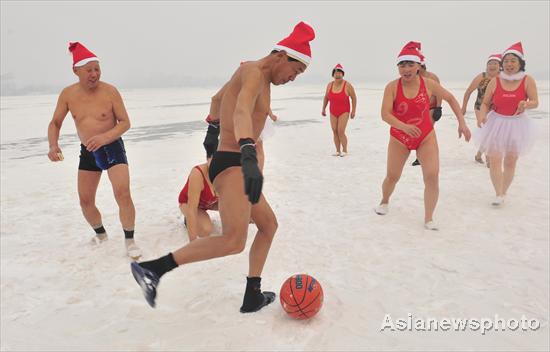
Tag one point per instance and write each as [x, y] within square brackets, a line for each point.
[412, 58]
[512, 51]
[294, 54]
[85, 61]
[494, 58]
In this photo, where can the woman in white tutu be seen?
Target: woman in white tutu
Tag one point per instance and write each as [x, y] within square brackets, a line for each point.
[507, 132]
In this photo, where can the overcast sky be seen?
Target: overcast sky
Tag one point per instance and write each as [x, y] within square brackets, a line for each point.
[156, 44]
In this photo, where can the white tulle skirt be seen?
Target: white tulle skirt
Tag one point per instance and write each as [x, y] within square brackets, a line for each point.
[502, 135]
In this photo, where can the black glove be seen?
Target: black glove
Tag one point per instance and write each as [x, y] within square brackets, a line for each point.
[211, 140]
[436, 115]
[253, 179]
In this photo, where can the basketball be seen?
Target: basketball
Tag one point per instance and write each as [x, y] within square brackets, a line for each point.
[301, 296]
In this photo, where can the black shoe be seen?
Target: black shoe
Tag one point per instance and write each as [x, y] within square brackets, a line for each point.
[147, 280]
[416, 163]
[268, 297]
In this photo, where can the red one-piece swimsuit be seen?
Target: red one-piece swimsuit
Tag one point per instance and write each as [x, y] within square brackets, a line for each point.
[207, 199]
[415, 111]
[506, 102]
[339, 102]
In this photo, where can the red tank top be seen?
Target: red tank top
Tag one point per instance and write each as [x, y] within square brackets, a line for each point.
[206, 201]
[506, 102]
[339, 102]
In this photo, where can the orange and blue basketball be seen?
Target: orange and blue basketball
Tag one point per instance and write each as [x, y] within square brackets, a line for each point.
[301, 296]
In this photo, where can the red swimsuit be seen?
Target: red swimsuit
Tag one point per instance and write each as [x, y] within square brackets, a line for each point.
[415, 111]
[339, 102]
[207, 200]
[506, 102]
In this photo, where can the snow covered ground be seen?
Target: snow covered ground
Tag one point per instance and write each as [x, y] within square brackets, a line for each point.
[58, 292]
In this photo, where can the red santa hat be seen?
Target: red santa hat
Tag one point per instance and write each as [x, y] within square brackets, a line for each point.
[81, 55]
[422, 58]
[418, 47]
[411, 52]
[515, 49]
[496, 57]
[296, 45]
[338, 67]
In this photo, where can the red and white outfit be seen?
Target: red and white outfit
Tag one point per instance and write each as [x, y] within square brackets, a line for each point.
[339, 101]
[505, 131]
[415, 111]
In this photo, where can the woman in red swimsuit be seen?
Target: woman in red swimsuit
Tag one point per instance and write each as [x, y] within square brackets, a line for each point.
[338, 93]
[406, 108]
[195, 199]
[507, 132]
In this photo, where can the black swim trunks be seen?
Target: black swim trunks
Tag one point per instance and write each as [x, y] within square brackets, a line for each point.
[104, 158]
[221, 161]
